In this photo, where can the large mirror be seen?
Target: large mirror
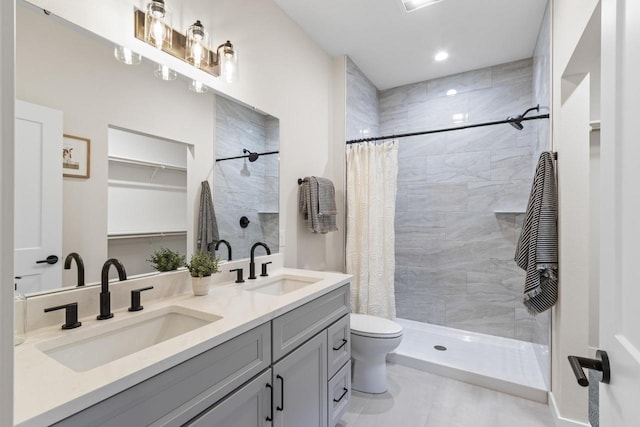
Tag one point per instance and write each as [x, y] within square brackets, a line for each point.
[141, 147]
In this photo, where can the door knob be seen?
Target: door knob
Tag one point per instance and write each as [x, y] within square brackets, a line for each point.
[51, 259]
[600, 363]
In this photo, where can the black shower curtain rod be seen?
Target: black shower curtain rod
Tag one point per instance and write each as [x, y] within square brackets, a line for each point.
[246, 156]
[427, 132]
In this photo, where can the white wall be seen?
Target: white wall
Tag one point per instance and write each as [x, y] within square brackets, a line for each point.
[572, 97]
[283, 72]
[6, 213]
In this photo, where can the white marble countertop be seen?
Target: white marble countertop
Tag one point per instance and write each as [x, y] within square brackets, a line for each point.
[46, 391]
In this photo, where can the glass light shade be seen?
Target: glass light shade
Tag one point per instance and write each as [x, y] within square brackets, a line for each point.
[197, 87]
[126, 55]
[157, 28]
[228, 59]
[165, 73]
[197, 46]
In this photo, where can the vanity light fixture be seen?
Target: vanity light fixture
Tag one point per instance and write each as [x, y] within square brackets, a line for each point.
[165, 73]
[192, 48]
[157, 28]
[126, 55]
[197, 87]
[197, 46]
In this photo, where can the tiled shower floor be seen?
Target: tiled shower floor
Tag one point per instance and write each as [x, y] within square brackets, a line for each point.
[497, 363]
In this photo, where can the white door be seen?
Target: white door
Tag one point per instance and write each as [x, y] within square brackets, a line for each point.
[38, 197]
[620, 214]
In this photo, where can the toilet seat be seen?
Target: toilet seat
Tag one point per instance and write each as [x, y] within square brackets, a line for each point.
[374, 327]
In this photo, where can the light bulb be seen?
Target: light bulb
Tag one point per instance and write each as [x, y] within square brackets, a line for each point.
[158, 31]
[126, 55]
[196, 52]
[197, 86]
[165, 73]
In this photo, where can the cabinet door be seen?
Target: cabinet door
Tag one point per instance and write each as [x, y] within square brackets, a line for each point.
[300, 386]
[250, 406]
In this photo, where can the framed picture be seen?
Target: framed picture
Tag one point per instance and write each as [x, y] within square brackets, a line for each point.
[76, 153]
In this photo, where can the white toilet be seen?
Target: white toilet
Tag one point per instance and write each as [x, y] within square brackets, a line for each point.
[371, 339]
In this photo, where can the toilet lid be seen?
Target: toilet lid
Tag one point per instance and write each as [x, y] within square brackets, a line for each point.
[372, 326]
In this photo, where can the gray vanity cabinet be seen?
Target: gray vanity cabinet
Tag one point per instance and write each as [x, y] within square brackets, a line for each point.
[250, 406]
[300, 386]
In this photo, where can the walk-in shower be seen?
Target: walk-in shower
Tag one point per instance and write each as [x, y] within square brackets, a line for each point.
[462, 192]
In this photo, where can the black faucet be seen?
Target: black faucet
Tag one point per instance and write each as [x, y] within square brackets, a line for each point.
[105, 295]
[79, 263]
[228, 248]
[252, 264]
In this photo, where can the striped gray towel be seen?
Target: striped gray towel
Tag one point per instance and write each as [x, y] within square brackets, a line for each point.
[537, 250]
[316, 202]
[207, 224]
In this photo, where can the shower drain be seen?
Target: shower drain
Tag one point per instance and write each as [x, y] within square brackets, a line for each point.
[440, 347]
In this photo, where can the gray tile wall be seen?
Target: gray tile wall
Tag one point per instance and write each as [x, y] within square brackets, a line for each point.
[458, 197]
[362, 115]
[243, 188]
[459, 193]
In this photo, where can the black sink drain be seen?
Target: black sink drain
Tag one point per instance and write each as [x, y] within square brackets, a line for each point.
[440, 347]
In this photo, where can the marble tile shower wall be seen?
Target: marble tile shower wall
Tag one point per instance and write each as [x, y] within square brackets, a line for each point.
[362, 104]
[459, 194]
[240, 185]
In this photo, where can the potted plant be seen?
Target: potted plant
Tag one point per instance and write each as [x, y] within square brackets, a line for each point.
[201, 267]
[166, 260]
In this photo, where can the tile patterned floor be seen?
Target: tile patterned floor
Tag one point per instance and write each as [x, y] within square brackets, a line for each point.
[420, 399]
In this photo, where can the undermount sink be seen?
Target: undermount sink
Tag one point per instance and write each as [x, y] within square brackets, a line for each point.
[89, 349]
[280, 285]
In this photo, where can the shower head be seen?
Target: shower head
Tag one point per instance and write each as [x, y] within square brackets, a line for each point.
[516, 121]
[252, 156]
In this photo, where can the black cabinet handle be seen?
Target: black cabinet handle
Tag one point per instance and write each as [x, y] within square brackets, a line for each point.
[281, 407]
[600, 363]
[344, 393]
[344, 342]
[270, 417]
[51, 259]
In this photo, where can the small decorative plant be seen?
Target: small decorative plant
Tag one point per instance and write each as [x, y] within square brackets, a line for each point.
[202, 265]
[166, 260]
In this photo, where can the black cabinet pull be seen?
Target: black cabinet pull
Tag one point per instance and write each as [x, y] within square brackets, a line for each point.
[344, 342]
[51, 259]
[281, 407]
[600, 363]
[344, 393]
[270, 417]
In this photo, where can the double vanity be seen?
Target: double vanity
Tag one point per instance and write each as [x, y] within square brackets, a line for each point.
[270, 351]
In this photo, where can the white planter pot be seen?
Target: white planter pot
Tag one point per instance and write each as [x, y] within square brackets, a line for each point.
[200, 286]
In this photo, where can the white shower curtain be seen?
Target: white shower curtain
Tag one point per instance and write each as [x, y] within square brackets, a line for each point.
[372, 171]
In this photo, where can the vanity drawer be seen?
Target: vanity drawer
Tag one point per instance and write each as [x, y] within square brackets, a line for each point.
[339, 347]
[175, 396]
[297, 326]
[339, 394]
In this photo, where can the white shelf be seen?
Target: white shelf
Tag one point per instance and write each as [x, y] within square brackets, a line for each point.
[147, 164]
[595, 125]
[144, 234]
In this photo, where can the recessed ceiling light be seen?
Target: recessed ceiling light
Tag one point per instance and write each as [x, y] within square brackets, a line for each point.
[441, 56]
[411, 5]
[451, 92]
